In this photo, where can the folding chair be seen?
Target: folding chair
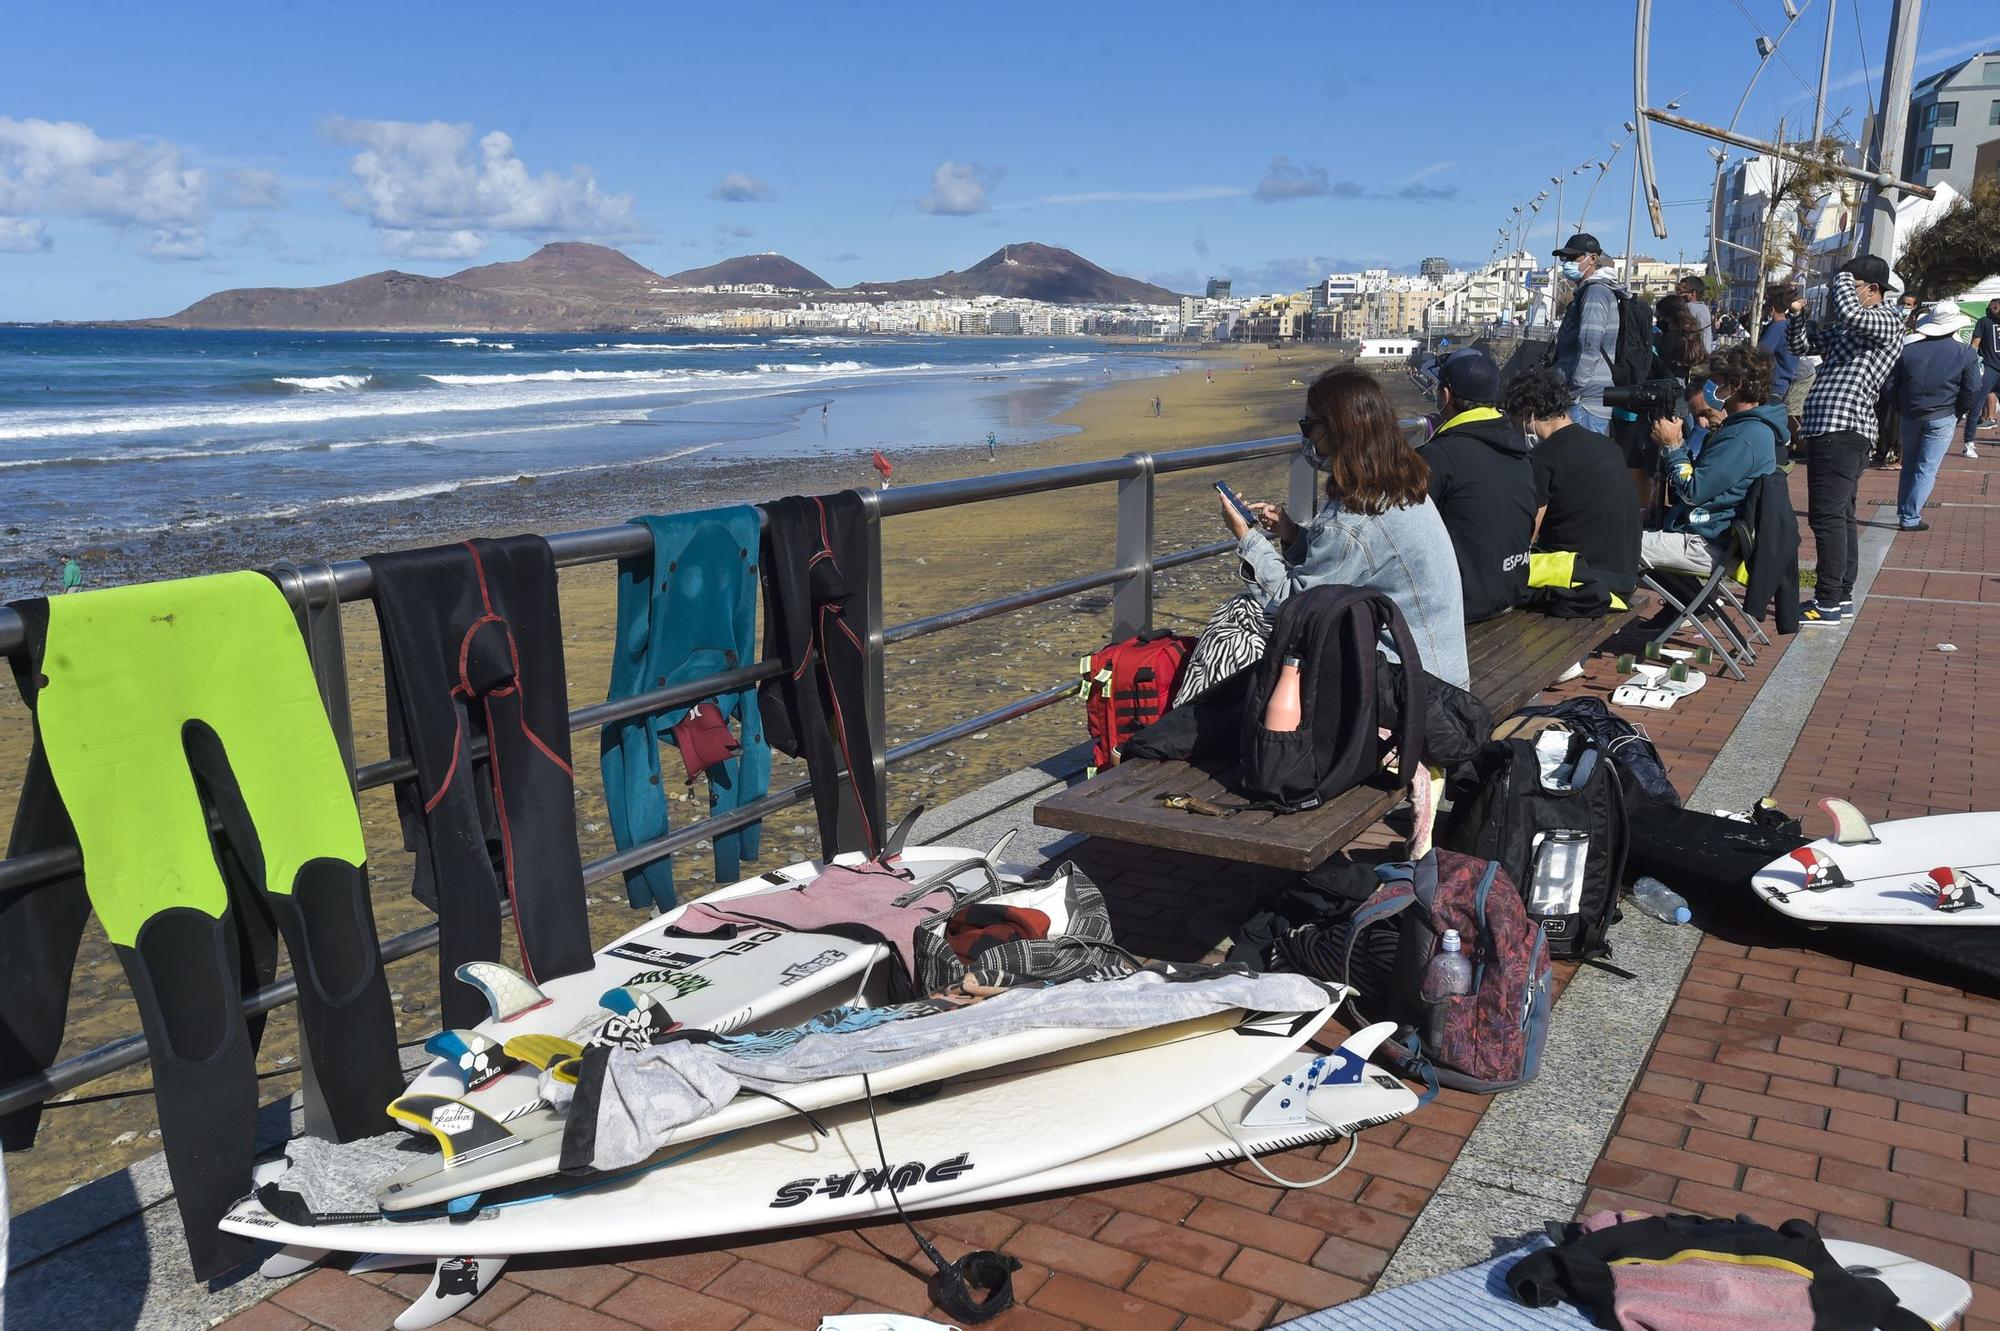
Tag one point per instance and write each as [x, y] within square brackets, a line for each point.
[1706, 604]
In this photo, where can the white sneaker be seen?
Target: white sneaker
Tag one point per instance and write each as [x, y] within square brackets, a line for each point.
[1971, 452]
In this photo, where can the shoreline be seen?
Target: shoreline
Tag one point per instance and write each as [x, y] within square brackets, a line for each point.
[931, 562]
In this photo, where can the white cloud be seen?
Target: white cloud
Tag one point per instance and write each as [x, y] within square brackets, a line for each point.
[1285, 180]
[1191, 194]
[959, 189]
[22, 235]
[252, 189]
[435, 193]
[62, 168]
[740, 187]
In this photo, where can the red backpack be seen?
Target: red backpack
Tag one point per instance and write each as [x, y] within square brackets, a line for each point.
[1125, 688]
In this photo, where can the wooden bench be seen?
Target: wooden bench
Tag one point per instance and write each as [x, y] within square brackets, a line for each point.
[1512, 658]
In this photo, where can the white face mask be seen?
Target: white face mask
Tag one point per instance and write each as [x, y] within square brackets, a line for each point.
[1572, 270]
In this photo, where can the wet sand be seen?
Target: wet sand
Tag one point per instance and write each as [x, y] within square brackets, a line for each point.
[932, 562]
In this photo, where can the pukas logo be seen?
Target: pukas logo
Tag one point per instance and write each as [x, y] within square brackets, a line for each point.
[859, 1183]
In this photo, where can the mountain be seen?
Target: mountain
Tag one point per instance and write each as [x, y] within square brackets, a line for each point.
[574, 287]
[1031, 271]
[750, 269]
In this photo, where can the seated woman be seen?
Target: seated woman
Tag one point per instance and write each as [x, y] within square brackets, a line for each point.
[1709, 489]
[1582, 501]
[1377, 528]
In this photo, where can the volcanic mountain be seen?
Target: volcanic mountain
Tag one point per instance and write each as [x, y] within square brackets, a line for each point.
[570, 286]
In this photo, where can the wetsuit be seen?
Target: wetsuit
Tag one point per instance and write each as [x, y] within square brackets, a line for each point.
[686, 609]
[817, 553]
[472, 643]
[155, 706]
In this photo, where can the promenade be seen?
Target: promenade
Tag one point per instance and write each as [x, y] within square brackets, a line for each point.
[1728, 1078]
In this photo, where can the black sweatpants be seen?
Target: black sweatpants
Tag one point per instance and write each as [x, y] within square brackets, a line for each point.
[1834, 463]
[817, 553]
[472, 643]
[189, 973]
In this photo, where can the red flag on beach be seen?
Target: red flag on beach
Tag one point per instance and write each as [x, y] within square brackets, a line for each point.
[882, 464]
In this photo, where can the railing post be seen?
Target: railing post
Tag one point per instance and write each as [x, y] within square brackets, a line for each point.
[877, 686]
[1132, 599]
[1302, 492]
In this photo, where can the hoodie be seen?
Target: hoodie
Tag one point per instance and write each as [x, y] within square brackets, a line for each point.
[1709, 489]
[1484, 489]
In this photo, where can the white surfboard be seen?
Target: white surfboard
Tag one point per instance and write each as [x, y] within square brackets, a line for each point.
[982, 1131]
[1933, 1294]
[1891, 873]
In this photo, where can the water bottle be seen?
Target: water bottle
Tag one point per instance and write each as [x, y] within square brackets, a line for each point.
[1448, 976]
[1283, 711]
[1659, 901]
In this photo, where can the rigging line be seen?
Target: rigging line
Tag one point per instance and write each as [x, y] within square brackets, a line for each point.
[1868, 74]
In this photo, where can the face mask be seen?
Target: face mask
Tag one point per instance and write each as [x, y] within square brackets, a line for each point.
[1572, 270]
[1708, 395]
[1314, 458]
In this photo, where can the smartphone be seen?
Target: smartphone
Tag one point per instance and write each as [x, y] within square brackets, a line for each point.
[1236, 502]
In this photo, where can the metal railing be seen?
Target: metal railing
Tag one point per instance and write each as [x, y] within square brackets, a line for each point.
[317, 590]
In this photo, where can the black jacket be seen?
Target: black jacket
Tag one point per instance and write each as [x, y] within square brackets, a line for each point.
[1774, 555]
[1484, 489]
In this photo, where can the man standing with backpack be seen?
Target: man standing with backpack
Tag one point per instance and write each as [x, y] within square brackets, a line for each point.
[1586, 345]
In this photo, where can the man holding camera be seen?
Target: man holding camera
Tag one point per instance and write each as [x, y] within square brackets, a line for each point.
[1709, 489]
[1858, 347]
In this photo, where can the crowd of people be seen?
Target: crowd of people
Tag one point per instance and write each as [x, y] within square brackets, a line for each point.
[1636, 446]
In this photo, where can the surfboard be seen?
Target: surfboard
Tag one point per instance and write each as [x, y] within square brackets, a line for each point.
[1896, 872]
[980, 1132]
[1931, 1293]
[761, 976]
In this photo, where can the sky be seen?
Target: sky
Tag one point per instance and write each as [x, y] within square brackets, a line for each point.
[151, 154]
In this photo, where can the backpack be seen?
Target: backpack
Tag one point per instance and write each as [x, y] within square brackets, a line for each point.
[1490, 1039]
[1125, 687]
[1332, 631]
[1563, 846]
[1640, 767]
[1633, 360]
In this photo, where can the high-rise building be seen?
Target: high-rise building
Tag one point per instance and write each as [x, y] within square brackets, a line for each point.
[1218, 288]
[1954, 128]
[1434, 267]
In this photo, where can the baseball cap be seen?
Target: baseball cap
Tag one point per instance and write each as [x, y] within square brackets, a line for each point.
[1580, 243]
[1870, 268]
[1471, 376]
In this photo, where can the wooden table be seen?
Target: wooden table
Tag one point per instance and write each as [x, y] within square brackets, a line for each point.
[1512, 658]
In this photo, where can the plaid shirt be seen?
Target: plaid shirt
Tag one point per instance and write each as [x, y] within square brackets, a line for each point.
[1860, 347]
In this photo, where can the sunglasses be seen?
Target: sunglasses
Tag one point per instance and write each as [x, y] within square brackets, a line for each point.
[1307, 424]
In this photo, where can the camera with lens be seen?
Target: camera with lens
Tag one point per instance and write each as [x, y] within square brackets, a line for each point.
[1652, 400]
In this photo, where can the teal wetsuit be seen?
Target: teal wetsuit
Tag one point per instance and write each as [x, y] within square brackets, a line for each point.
[687, 610]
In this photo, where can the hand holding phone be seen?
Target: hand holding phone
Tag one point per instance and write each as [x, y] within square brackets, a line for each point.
[1236, 502]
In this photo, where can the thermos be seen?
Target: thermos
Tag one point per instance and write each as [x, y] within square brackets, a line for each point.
[1282, 712]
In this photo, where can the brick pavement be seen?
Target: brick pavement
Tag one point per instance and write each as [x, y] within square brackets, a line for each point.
[1784, 1083]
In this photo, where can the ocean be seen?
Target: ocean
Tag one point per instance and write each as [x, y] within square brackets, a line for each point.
[157, 451]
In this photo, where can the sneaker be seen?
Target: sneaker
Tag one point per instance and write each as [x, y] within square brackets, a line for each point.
[1971, 452]
[1812, 612]
[1918, 525]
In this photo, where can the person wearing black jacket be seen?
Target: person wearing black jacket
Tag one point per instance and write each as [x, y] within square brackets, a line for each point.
[1483, 485]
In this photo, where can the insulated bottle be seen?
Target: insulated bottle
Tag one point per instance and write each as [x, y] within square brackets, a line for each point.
[1282, 712]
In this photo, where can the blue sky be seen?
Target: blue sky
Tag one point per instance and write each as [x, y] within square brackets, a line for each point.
[150, 154]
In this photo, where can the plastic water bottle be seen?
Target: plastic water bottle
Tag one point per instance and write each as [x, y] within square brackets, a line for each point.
[1282, 712]
[1448, 976]
[1659, 901]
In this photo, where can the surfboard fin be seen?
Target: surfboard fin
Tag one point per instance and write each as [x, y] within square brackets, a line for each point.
[1850, 825]
[1284, 1102]
[477, 1059]
[1954, 892]
[461, 1130]
[455, 1283]
[1821, 873]
[507, 992]
[999, 847]
[893, 847]
[538, 1051]
[637, 1020]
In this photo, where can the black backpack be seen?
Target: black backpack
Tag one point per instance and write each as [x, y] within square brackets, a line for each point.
[1640, 767]
[1564, 848]
[1633, 360]
[1333, 631]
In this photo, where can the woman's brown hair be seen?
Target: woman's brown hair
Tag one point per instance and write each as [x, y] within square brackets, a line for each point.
[1369, 467]
[1673, 314]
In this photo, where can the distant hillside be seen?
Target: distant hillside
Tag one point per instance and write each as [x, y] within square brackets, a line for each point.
[573, 287]
[1031, 271]
[770, 269]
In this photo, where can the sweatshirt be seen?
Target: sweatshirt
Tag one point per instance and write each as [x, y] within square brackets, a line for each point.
[1709, 489]
[1484, 489]
[1937, 376]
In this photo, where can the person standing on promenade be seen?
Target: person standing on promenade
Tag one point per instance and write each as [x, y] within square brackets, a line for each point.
[72, 575]
[991, 443]
[1986, 341]
[1936, 382]
[1784, 362]
[1860, 345]
[1586, 345]
[1696, 290]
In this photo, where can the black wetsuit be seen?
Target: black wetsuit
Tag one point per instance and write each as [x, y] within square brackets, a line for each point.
[817, 553]
[472, 642]
[189, 970]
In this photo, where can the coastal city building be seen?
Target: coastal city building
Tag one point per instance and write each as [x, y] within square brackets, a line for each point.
[1954, 124]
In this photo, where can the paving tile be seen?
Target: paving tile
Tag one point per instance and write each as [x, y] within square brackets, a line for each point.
[1289, 1280]
[265, 1316]
[1087, 1258]
[780, 1294]
[1099, 1307]
[1203, 1295]
[654, 1303]
[540, 1312]
[340, 1302]
[1184, 1247]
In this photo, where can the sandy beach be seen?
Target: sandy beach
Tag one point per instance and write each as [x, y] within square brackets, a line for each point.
[932, 562]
